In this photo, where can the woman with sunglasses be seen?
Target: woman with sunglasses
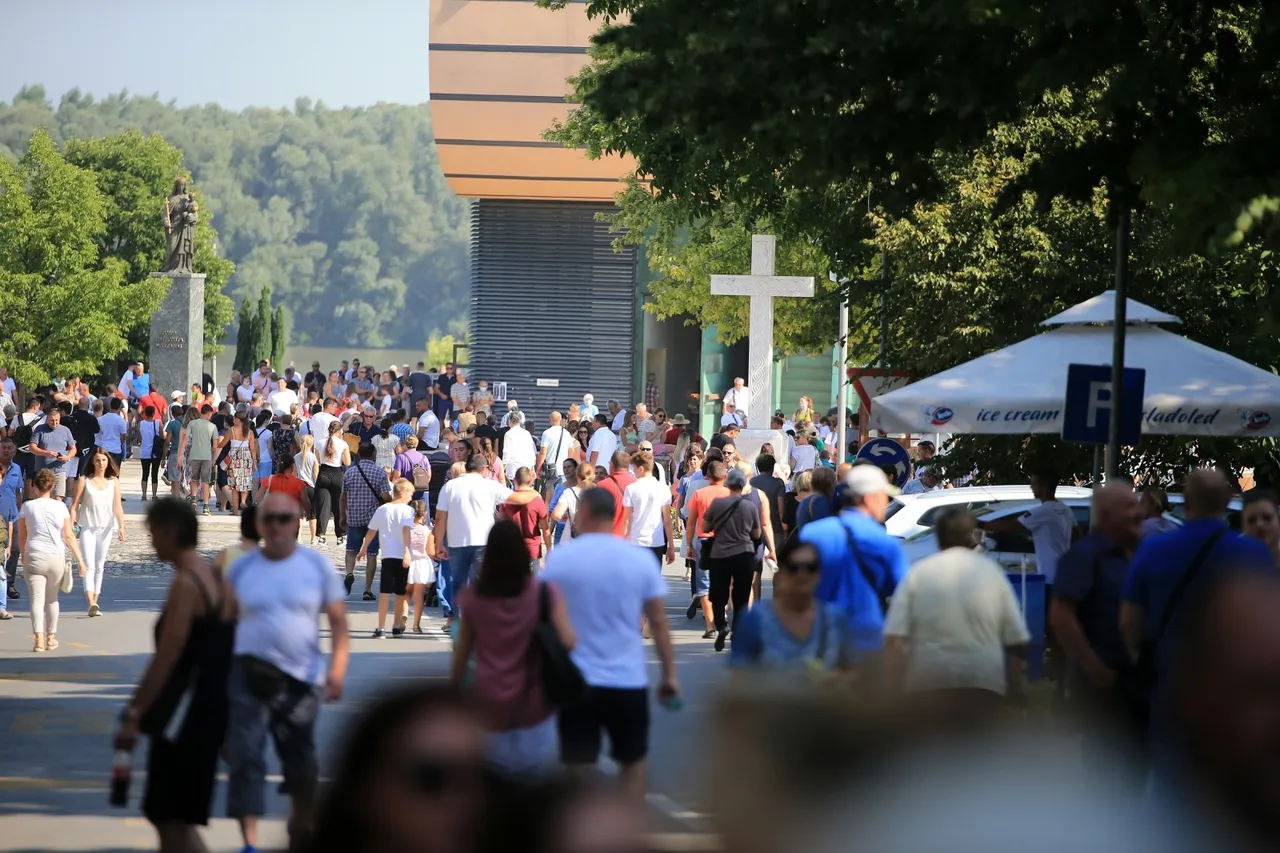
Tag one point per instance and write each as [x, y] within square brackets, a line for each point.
[98, 510]
[581, 438]
[793, 632]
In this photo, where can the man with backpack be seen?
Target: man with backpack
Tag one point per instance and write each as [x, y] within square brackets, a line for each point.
[21, 429]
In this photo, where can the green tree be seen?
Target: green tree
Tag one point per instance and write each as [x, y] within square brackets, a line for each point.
[135, 173]
[279, 336]
[345, 213]
[262, 339]
[67, 310]
[246, 346]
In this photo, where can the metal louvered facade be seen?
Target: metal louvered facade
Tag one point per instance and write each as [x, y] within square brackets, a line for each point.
[551, 300]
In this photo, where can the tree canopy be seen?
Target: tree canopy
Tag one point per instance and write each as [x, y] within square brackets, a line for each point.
[344, 213]
[67, 309]
[979, 145]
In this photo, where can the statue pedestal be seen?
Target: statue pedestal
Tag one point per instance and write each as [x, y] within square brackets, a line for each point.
[176, 359]
[750, 441]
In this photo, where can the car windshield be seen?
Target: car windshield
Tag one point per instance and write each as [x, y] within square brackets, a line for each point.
[894, 506]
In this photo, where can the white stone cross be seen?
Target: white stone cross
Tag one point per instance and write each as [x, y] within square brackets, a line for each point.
[762, 286]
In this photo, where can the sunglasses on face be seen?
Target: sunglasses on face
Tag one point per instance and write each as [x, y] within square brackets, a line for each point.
[797, 566]
[435, 776]
[277, 517]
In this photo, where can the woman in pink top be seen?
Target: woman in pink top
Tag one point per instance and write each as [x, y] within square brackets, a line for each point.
[500, 613]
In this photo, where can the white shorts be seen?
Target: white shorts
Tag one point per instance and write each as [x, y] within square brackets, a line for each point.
[422, 571]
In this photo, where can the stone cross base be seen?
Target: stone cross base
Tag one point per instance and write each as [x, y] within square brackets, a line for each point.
[176, 359]
[750, 441]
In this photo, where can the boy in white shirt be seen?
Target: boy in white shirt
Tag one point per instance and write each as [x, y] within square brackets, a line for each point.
[389, 524]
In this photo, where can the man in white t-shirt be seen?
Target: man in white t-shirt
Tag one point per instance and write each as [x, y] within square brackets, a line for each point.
[951, 625]
[318, 426]
[553, 449]
[7, 385]
[283, 397]
[281, 590]
[517, 447]
[646, 510]
[389, 524]
[1050, 525]
[739, 396]
[618, 414]
[464, 514]
[428, 426]
[608, 586]
[603, 442]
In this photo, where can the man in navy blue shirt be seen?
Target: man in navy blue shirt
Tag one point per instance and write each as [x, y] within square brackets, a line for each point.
[1159, 567]
[861, 564]
[1085, 616]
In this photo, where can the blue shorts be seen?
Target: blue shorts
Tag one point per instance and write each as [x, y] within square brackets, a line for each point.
[355, 539]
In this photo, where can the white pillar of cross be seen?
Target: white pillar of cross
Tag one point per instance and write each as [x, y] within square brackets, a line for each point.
[761, 286]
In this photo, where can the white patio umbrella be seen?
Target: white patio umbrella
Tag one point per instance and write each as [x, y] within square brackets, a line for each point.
[1190, 389]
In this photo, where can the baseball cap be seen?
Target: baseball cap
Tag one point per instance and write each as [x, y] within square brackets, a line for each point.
[176, 395]
[868, 480]
[737, 479]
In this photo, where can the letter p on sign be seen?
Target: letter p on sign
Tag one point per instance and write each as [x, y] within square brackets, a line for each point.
[1099, 398]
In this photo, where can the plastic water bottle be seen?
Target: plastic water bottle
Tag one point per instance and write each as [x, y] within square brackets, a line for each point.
[121, 773]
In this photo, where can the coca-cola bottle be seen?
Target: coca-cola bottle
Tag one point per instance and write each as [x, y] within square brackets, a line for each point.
[121, 773]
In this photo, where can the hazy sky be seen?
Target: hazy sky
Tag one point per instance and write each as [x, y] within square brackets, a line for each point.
[237, 53]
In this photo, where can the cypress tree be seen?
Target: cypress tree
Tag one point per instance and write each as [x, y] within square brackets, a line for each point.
[279, 337]
[244, 339]
[262, 328]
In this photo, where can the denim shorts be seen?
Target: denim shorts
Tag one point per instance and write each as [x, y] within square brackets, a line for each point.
[355, 539]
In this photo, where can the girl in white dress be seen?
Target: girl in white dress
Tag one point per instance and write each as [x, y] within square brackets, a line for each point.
[422, 571]
[99, 512]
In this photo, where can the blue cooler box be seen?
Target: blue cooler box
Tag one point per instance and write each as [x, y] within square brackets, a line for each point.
[1036, 619]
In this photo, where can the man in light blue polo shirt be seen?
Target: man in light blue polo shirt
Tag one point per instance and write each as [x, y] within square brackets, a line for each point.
[861, 564]
[10, 501]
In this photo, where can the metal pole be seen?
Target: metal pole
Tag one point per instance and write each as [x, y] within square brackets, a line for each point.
[1121, 205]
[884, 309]
[842, 394]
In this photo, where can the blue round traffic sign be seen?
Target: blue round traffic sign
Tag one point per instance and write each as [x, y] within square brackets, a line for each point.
[886, 451]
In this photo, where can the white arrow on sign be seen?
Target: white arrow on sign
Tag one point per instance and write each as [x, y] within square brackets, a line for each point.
[884, 449]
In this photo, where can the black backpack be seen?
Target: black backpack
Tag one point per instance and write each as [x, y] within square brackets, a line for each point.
[22, 435]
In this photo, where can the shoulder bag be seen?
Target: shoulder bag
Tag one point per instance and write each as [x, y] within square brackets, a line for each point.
[875, 585]
[549, 473]
[1145, 669]
[562, 681]
[380, 496]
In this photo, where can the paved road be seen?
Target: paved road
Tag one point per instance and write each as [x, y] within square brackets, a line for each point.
[57, 710]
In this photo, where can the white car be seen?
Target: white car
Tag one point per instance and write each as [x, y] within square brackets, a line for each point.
[1016, 549]
[909, 515]
[1011, 550]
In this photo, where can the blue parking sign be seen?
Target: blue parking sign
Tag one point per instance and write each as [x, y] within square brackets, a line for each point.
[1086, 417]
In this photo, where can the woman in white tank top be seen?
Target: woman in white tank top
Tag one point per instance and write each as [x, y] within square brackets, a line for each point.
[98, 511]
[307, 467]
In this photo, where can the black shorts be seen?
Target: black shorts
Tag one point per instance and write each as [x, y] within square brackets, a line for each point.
[661, 552]
[622, 713]
[395, 577]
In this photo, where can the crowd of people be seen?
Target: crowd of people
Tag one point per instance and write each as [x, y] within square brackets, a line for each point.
[544, 551]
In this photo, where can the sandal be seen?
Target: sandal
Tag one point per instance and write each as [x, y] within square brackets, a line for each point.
[51, 643]
[417, 628]
[39, 646]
